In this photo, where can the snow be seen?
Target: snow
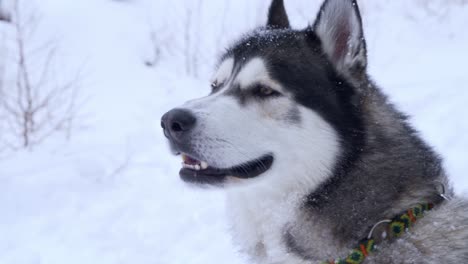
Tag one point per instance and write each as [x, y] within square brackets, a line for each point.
[112, 194]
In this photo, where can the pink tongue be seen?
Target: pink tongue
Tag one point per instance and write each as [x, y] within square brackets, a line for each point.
[191, 161]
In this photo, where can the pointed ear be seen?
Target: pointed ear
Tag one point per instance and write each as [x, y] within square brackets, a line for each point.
[339, 27]
[277, 17]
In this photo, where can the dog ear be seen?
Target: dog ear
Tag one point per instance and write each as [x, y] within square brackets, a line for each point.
[339, 27]
[277, 17]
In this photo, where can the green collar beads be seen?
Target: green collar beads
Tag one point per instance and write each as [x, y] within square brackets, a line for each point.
[396, 228]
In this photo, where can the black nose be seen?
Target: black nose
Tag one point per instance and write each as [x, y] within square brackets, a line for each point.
[177, 122]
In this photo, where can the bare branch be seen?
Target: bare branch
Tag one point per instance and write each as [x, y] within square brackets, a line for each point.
[36, 107]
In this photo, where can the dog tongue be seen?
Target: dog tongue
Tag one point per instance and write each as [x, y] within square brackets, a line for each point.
[189, 160]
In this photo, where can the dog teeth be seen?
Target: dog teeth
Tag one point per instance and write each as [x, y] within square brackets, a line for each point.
[193, 164]
[188, 166]
[202, 166]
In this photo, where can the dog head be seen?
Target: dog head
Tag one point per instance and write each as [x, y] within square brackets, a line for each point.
[283, 106]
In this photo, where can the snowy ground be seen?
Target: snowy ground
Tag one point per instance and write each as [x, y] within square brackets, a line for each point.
[112, 194]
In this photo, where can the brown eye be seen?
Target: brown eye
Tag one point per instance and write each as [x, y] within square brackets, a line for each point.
[265, 91]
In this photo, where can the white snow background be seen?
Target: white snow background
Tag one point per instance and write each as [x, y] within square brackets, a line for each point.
[112, 194]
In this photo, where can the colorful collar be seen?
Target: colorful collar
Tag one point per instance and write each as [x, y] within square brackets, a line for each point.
[396, 228]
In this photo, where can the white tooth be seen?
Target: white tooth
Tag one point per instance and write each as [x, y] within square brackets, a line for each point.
[204, 165]
[197, 167]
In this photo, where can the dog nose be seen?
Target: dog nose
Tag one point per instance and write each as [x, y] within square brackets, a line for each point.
[177, 122]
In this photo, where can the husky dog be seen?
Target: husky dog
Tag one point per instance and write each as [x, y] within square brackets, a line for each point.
[311, 153]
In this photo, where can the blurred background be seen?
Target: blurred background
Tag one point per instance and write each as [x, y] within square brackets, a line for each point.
[85, 173]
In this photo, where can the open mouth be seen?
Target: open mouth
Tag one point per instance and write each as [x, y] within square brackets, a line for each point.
[196, 171]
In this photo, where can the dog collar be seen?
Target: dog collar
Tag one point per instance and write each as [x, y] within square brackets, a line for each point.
[396, 228]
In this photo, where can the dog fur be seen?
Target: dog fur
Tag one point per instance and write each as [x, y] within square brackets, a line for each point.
[344, 157]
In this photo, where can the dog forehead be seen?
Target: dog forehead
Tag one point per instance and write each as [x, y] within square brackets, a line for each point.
[242, 73]
[255, 70]
[260, 43]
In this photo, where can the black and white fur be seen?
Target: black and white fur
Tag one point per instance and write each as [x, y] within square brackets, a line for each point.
[342, 157]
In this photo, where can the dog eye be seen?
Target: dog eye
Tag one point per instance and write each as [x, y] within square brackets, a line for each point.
[265, 91]
[215, 86]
